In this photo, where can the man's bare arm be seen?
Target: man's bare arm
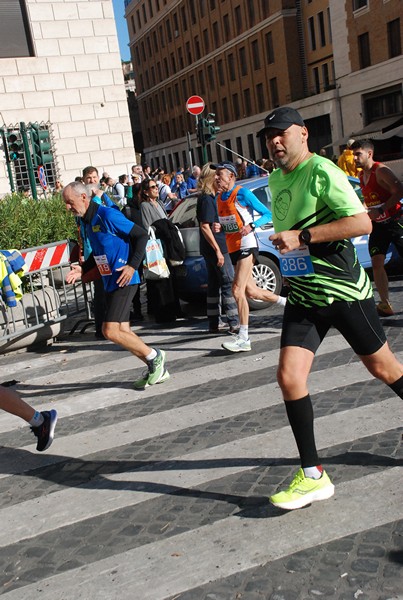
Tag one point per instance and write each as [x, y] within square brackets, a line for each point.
[346, 227]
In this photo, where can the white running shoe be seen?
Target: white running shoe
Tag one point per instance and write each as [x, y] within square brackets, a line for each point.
[237, 344]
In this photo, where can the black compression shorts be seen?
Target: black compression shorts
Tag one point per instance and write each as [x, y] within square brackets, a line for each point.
[358, 322]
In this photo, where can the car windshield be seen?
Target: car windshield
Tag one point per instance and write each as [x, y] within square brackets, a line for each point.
[262, 193]
[184, 214]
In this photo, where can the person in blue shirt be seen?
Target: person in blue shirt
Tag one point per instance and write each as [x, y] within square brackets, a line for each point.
[91, 178]
[193, 179]
[252, 170]
[180, 188]
[118, 247]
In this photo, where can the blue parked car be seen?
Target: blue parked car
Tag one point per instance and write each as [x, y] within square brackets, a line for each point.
[193, 284]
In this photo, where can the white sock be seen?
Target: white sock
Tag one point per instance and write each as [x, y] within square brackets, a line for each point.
[37, 419]
[313, 472]
[243, 332]
[152, 355]
[281, 300]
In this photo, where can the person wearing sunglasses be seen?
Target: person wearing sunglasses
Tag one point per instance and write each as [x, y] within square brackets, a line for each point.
[162, 295]
[151, 208]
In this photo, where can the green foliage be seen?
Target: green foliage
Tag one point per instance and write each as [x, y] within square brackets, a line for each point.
[26, 223]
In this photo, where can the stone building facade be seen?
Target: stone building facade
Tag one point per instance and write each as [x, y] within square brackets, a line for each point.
[60, 65]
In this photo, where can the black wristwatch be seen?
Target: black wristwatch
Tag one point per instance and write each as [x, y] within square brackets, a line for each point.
[305, 236]
[252, 226]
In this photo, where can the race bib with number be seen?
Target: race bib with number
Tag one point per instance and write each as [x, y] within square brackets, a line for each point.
[103, 265]
[229, 224]
[296, 263]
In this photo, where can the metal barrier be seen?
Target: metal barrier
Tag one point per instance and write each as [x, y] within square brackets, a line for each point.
[47, 300]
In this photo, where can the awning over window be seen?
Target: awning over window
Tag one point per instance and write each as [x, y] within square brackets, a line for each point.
[382, 129]
[396, 131]
[377, 129]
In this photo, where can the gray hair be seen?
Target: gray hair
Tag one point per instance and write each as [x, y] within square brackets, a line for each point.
[79, 188]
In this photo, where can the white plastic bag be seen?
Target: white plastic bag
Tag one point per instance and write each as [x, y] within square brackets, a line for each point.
[155, 266]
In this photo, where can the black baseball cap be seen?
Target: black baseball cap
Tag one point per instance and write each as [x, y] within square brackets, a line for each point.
[225, 165]
[282, 118]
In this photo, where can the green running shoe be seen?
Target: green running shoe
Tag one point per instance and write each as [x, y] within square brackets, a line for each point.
[156, 368]
[303, 490]
[143, 383]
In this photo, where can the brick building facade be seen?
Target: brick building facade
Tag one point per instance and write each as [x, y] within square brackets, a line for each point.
[245, 57]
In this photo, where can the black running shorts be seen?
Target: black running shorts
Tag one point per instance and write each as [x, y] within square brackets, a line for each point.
[383, 234]
[240, 254]
[118, 304]
[358, 322]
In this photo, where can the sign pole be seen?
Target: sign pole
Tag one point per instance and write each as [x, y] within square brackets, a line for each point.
[204, 151]
[195, 105]
[190, 148]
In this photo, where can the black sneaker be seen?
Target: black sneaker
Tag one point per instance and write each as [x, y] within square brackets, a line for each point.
[45, 432]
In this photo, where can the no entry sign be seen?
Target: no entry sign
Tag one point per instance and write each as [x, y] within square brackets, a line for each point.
[195, 105]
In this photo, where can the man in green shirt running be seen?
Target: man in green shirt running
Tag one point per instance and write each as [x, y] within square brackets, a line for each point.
[315, 213]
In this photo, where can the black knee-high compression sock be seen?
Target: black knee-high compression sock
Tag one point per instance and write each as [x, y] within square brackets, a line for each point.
[300, 416]
[397, 387]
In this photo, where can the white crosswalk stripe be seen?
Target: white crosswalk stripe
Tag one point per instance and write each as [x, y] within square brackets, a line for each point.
[193, 558]
[170, 566]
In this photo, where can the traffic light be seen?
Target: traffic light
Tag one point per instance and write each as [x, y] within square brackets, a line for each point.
[201, 132]
[14, 146]
[207, 129]
[41, 146]
[212, 128]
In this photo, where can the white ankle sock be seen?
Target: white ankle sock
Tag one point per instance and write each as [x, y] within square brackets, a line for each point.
[313, 472]
[152, 355]
[37, 419]
[243, 332]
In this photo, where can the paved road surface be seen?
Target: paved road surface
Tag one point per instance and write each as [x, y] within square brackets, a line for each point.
[162, 494]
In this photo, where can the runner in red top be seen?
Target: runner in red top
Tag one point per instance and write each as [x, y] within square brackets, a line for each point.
[382, 193]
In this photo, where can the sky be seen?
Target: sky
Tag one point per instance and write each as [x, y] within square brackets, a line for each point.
[121, 26]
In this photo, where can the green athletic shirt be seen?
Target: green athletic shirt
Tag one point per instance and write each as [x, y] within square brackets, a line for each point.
[314, 193]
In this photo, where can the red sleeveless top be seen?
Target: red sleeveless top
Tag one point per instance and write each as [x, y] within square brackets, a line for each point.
[375, 195]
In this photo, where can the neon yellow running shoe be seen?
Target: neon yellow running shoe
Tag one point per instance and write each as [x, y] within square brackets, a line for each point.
[303, 490]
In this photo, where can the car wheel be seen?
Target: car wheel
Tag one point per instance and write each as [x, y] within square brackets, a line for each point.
[267, 276]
